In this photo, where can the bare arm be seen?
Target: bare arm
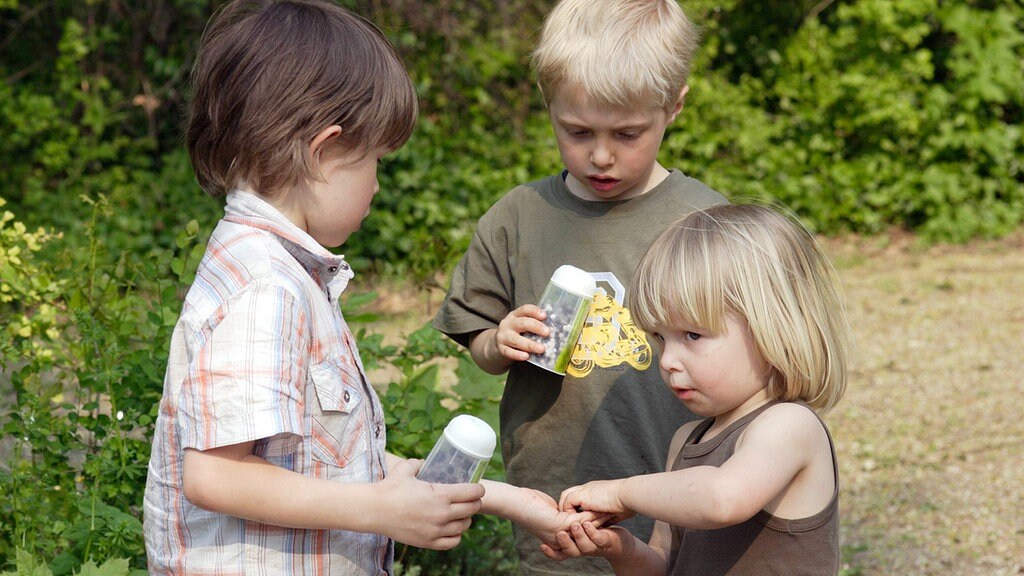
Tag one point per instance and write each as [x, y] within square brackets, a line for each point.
[231, 480]
[532, 510]
[495, 349]
[769, 470]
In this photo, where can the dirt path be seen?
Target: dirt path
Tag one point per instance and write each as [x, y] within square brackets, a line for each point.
[930, 434]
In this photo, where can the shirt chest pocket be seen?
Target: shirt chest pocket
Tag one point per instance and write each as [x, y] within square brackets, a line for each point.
[340, 423]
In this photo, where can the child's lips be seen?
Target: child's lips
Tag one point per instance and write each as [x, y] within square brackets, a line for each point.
[684, 394]
[602, 184]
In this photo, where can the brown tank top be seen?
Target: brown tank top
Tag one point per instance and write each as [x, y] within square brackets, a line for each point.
[763, 545]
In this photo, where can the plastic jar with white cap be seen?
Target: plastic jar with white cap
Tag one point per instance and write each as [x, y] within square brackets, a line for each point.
[462, 452]
[566, 300]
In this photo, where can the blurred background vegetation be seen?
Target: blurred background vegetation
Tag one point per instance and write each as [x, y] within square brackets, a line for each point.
[861, 115]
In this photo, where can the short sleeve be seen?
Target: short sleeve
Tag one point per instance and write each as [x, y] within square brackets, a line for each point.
[247, 381]
[481, 291]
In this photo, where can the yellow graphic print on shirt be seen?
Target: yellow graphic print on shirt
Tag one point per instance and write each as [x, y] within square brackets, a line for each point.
[609, 337]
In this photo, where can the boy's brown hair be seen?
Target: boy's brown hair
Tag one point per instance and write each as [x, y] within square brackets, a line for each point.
[270, 75]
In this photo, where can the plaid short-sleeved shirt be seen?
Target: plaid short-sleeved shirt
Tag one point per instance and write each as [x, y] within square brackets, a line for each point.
[262, 353]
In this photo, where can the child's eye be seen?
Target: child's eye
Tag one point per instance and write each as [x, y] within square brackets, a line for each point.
[629, 135]
[691, 336]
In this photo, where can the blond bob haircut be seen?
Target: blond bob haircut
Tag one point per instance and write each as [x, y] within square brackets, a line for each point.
[271, 75]
[622, 53]
[765, 267]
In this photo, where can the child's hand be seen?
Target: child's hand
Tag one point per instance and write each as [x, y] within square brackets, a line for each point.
[539, 515]
[596, 496]
[495, 349]
[426, 515]
[509, 339]
[587, 539]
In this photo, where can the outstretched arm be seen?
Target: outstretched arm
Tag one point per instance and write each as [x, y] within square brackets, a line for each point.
[232, 480]
[532, 510]
[782, 462]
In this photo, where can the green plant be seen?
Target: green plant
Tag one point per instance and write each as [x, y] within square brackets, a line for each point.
[418, 403]
[26, 565]
[71, 486]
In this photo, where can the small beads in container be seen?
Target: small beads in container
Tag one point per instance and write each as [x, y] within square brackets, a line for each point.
[566, 300]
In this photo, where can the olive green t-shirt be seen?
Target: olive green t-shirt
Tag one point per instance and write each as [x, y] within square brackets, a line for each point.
[610, 416]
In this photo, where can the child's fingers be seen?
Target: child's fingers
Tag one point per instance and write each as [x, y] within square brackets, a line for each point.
[553, 553]
[570, 500]
[470, 493]
[464, 510]
[599, 537]
[581, 539]
[569, 549]
[530, 310]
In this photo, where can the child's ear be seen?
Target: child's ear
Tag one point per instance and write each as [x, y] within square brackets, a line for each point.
[322, 138]
[678, 106]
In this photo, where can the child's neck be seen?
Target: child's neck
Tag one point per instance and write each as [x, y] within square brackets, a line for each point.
[723, 421]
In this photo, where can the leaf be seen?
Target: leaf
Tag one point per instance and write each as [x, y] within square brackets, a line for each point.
[113, 567]
[26, 565]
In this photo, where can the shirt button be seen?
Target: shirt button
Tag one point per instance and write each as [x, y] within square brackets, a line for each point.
[376, 430]
[347, 396]
[332, 269]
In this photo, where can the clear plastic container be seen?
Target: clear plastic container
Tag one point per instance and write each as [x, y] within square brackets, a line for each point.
[461, 453]
[566, 300]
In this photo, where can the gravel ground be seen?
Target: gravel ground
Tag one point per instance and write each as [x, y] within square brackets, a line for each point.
[930, 434]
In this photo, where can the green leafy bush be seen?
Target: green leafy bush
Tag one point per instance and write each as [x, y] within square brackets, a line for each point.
[84, 380]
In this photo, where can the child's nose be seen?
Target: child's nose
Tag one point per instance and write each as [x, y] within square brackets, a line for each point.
[601, 155]
[668, 360]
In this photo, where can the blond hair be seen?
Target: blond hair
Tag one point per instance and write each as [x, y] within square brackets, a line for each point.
[616, 52]
[766, 267]
[270, 75]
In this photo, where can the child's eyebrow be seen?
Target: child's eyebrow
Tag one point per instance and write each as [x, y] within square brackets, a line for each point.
[626, 127]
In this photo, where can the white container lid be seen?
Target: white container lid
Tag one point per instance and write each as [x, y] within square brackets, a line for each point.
[572, 279]
[471, 435]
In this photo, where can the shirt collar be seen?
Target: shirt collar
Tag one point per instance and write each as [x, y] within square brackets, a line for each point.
[246, 208]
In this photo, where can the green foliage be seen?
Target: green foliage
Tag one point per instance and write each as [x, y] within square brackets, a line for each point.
[84, 381]
[418, 403]
[26, 565]
[480, 129]
[872, 114]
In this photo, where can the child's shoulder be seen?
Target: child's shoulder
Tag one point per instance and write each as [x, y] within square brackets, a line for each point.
[526, 198]
[788, 410]
[244, 255]
[691, 190]
[787, 420]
